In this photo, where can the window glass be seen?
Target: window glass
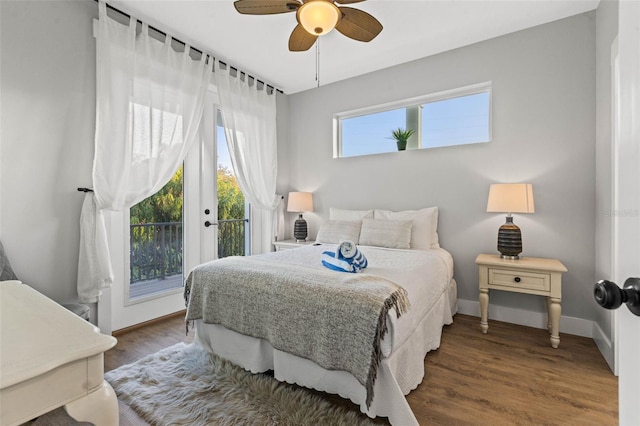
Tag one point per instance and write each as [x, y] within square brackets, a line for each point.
[455, 117]
[156, 241]
[233, 209]
[456, 121]
[369, 134]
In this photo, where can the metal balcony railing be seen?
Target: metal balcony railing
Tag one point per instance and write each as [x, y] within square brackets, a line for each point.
[156, 248]
[156, 251]
[231, 237]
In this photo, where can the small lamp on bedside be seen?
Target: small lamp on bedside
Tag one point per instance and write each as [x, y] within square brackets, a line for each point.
[300, 202]
[510, 198]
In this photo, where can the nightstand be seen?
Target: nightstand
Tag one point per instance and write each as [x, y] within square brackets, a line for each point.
[290, 244]
[529, 275]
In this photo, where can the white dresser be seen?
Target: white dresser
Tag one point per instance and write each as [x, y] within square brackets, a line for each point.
[50, 357]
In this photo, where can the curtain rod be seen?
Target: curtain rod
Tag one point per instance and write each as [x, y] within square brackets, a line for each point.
[268, 86]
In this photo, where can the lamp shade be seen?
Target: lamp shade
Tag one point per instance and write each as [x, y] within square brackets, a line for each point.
[318, 17]
[300, 202]
[511, 198]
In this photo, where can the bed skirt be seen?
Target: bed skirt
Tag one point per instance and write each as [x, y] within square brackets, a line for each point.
[399, 373]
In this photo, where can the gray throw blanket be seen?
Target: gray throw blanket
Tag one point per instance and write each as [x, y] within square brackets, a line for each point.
[336, 320]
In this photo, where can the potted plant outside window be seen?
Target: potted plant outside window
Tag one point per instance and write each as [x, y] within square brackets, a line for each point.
[401, 136]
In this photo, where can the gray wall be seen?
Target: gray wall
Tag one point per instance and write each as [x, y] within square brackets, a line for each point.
[606, 32]
[543, 133]
[46, 137]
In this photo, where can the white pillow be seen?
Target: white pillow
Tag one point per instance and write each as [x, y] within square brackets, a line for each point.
[424, 232]
[386, 233]
[341, 214]
[335, 231]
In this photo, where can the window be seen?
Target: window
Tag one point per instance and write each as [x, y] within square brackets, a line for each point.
[454, 117]
[156, 242]
[234, 237]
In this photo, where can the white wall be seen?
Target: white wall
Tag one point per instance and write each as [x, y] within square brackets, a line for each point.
[543, 133]
[46, 137]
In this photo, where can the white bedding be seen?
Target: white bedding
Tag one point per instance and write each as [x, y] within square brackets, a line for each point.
[425, 274]
[428, 278]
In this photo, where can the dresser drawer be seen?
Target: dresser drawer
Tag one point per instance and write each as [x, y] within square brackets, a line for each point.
[519, 279]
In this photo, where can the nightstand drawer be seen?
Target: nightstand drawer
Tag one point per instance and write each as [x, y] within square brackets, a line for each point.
[519, 279]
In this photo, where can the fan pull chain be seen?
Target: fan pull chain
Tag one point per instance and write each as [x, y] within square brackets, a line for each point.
[318, 62]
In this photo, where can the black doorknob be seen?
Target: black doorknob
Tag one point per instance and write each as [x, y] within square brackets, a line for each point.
[610, 296]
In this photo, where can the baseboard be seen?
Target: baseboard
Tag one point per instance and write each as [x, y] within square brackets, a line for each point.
[569, 325]
[605, 346]
[125, 330]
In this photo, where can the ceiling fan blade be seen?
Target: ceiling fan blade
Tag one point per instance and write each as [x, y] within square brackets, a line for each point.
[266, 7]
[358, 25]
[300, 40]
[347, 1]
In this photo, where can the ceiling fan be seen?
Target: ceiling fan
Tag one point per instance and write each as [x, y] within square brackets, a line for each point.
[315, 18]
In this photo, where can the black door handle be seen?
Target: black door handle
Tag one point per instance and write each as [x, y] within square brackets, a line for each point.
[208, 224]
[610, 296]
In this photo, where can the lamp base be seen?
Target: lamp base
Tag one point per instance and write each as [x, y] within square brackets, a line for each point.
[509, 240]
[300, 229]
[507, 257]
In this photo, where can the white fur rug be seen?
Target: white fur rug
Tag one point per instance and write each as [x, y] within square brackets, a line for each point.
[185, 385]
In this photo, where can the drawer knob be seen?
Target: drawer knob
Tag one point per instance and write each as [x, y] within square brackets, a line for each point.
[517, 279]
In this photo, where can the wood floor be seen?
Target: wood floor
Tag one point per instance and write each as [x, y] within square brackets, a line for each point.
[512, 376]
[509, 376]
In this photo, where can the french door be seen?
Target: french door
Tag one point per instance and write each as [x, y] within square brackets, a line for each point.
[154, 246]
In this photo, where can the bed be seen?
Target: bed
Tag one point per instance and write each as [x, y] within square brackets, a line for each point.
[425, 276]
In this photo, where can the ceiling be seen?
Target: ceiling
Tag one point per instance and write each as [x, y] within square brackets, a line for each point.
[413, 29]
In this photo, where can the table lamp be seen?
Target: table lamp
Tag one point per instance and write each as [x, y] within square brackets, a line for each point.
[510, 198]
[300, 202]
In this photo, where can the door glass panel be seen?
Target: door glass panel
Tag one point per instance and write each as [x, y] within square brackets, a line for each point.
[156, 241]
[233, 221]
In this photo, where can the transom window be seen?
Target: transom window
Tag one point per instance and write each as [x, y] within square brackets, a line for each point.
[453, 117]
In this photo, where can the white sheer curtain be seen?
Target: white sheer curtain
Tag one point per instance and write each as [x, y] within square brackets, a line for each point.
[278, 223]
[249, 118]
[150, 100]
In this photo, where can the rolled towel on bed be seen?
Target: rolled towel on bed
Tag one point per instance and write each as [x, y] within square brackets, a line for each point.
[339, 262]
[348, 249]
[330, 261]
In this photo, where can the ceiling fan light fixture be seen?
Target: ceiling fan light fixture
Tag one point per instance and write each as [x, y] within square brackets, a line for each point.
[318, 17]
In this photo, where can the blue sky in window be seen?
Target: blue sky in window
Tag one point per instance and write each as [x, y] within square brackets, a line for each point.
[222, 150]
[368, 134]
[456, 121]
